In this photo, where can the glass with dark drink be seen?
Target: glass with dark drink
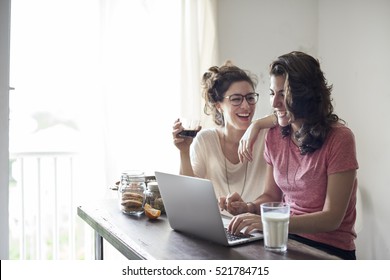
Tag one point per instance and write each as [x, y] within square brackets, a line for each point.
[191, 127]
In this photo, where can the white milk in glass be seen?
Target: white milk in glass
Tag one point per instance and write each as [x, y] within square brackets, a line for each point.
[275, 230]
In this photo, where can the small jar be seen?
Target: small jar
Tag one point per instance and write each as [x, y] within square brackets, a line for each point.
[153, 196]
[131, 192]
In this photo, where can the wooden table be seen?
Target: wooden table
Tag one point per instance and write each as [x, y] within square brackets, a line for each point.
[141, 238]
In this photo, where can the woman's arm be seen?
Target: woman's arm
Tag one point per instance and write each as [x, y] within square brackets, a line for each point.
[234, 204]
[251, 220]
[183, 144]
[271, 191]
[185, 164]
[339, 190]
[247, 141]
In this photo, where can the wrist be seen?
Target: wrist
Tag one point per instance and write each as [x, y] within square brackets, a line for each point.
[184, 153]
[251, 207]
[275, 119]
[256, 122]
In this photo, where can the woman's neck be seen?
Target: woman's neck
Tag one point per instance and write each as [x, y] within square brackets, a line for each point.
[230, 140]
[231, 135]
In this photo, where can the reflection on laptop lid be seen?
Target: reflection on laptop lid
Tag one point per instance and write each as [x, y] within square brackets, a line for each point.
[192, 208]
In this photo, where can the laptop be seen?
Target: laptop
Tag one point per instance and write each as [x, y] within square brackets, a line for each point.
[192, 208]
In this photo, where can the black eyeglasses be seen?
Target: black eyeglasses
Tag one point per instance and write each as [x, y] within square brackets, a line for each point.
[237, 99]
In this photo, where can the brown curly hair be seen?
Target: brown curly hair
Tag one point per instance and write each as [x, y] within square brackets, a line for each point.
[307, 97]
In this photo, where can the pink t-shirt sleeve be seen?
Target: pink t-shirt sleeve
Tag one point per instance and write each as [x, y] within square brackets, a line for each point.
[342, 150]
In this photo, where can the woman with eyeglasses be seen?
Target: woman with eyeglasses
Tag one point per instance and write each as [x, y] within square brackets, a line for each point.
[230, 98]
[311, 160]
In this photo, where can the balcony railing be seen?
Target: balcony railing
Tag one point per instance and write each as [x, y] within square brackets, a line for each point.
[42, 208]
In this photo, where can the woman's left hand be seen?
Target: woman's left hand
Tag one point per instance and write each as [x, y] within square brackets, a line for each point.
[233, 203]
[245, 147]
[245, 223]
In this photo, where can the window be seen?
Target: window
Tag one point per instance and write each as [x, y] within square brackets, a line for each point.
[97, 88]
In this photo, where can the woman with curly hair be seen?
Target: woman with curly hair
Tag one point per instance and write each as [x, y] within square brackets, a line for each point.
[230, 98]
[311, 160]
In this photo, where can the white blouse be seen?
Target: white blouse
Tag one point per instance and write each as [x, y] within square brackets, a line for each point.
[208, 161]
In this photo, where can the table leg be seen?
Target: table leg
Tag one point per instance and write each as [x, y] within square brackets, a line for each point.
[98, 246]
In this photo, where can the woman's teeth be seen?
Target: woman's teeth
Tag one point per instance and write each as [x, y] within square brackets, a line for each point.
[281, 114]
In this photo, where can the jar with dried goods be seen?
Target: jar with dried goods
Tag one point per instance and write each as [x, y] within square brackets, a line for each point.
[153, 196]
[131, 192]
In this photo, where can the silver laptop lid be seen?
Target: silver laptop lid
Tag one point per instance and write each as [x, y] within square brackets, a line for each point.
[192, 207]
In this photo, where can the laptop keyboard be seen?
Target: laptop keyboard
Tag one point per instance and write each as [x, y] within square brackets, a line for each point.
[232, 237]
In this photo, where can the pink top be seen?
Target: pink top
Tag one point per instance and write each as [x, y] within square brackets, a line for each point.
[303, 178]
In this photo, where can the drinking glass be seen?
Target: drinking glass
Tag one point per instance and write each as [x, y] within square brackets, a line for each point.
[275, 217]
[191, 127]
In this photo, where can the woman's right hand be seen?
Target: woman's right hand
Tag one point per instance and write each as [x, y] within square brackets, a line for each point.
[182, 143]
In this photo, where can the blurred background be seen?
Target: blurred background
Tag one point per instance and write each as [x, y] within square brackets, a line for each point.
[98, 85]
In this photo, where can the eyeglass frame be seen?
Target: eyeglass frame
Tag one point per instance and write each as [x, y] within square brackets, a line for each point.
[243, 97]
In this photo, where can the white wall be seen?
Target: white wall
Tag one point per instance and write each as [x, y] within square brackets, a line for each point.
[254, 32]
[4, 116]
[354, 45]
[352, 40]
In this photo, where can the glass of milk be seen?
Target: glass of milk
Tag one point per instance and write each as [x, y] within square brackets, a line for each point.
[275, 217]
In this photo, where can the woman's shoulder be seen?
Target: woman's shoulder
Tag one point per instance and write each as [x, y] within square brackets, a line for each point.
[341, 133]
[206, 140]
[340, 130]
[273, 132]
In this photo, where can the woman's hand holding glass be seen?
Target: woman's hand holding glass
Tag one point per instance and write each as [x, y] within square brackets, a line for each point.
[182, 142]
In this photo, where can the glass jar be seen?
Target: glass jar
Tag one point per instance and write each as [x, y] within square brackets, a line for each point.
[131, 192]
[153, 196]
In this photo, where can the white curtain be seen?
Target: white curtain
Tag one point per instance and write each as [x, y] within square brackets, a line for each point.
[199, 52]
[106, 79]
[162, 48]
[140, 43]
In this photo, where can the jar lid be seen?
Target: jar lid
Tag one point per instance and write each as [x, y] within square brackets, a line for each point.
[133, 173]
[153, 186]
